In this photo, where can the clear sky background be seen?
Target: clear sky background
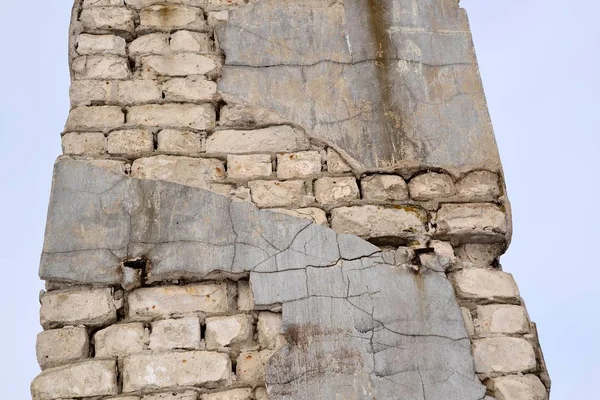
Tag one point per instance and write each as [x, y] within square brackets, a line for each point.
[539, 62]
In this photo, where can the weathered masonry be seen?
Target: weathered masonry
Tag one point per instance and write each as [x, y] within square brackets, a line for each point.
[279, 199]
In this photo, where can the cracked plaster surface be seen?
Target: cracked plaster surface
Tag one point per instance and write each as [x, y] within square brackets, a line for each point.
[389, 82]
[359, 326]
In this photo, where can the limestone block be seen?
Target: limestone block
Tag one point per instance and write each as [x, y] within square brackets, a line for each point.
[517, 387]
[336, 190]
[469, 325]
[275, 139]
[269, 328]
[180, 142]
[431, 186]
[194, 89]
[232, 331]
[502, 319]
[123, 398]
[103, 3]
[94, 118]
[250, 367]
[235, 394]
[479, 223]
[117, 166]
[87, 92]
[59, 346]
[151, 43]
[479, 254]
[384, 188]
[298, 165]
[335, 163]
[172, 301]
[217, 17]
[261, 394]
[100, 67]
[170, 17]
[485, 284]
[277, 194]
[172, 395]
[249, 166]
[375, 221]
[84, 143]
[138, 91]
[316, 215]
[162, 370]
[245, 300]
[179, 64]
[190, 41]
[503, 355]
[120, 340]
[83, 379]
[90, 307]
[185, 116]
[197, 172]
[245, 116]
[182, 333]
[131, 143]
[478, 186]
[107, 19]
[100, 44]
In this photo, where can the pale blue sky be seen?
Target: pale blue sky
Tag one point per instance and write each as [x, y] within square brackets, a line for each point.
[539, 62]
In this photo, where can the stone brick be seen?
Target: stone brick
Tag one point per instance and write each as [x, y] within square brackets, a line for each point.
[316, 215]
[298, 165]
[94, 118]
[183, 333]
[123, 398]
[162, 370]
[138, 91]
[375, 221]
[180, 64]
[502, 319]
[171, 17]
[485, 284]
[235, 394]
[503, 355]
[84, 143]
[431, 186]
[468, 318]
[336, 190]
[479, 255]
[275, 139]
[186, 116]
[234, 115]
[120, 340]
[335, 163]
[131, 143]
[107, 20]
[277, 194]
[88, 92]
[59, 346]
[179, 142]
[250, 367]
[172, 395]
[269, 327]
[196, 172]
[102, 3]
[517, 387]
[261, 394]
[236, 330]
[152, 43]
[190, 41]
[174, 301]
[91, 307]
[249, 166]
[100, 67]
[245, 300]
[478, 186]
[482, 223]
[384, 188]
[117, 166]
[100, 44]
[196, 88]
[83, 379]
[217, 17]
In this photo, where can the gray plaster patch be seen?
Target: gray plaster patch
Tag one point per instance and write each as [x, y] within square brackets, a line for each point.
[358, 325]
[389, 82]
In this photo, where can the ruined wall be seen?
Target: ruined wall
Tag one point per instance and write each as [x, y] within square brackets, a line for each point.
[372, 271]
